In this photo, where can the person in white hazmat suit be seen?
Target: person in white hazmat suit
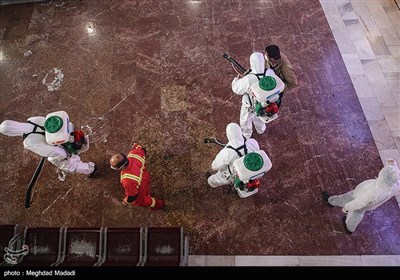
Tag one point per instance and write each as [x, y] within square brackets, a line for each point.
[236, 147]
[367, 196]
[34, 140]
[241, 86]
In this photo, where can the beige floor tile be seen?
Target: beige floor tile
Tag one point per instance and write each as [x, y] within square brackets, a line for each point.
[329, 7]
[266, 261]
[360, 8]
[394, 17]
[330, 260]
[371, 108]
[392, 76]
[200, 260]
[355, 30]
[340, 2]
[392, 117]
[380, 17]
[363, 49]
[372, 70]
[362, 86]
[346, 10]
[394, 51]
[343, 41]
[394, 86]
[332, 15]
[369, 25]
[397, 59]
[390, 36]
[378, 82]
[386, 4]
[382, 136]
[388, 64]
[397, 141]
[353, 64]
[385, 154]
[379, 260]
[383, 94]
[378, 45]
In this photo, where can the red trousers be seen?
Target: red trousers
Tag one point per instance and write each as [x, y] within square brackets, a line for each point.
[144, 198]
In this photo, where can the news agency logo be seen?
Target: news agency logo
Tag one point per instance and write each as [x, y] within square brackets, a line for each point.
[13, 256]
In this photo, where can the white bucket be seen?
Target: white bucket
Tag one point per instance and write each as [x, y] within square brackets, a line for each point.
[58, 128]
[244, 174]
[265, 96]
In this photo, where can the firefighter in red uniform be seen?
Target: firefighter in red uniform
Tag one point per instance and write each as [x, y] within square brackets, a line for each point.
[135, 178]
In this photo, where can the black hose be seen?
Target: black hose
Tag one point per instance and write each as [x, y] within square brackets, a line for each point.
[214, 141]
[234, 62]
[28, 196]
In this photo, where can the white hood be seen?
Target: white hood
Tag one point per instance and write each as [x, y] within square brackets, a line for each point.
[234, 135]
[257, 63]
[389, 175]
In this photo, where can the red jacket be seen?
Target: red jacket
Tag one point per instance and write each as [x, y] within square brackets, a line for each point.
[136, 180]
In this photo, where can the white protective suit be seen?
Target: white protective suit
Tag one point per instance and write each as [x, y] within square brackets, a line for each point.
[241, 86]
[37, 143]
[227, 156]
[368, 195]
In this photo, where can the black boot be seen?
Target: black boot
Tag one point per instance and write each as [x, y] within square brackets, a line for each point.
[92, 175]
[326, 196]
[345, 226]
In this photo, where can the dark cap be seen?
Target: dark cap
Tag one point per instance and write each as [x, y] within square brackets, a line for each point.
[273, 51]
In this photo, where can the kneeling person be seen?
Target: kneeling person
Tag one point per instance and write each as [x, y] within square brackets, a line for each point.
[135, 178]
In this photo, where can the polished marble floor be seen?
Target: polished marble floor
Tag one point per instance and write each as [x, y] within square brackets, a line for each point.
[152, 72]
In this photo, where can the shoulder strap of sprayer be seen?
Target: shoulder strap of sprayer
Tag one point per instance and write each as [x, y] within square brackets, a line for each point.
[237, 150]
[35, 126]
[260, 75]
